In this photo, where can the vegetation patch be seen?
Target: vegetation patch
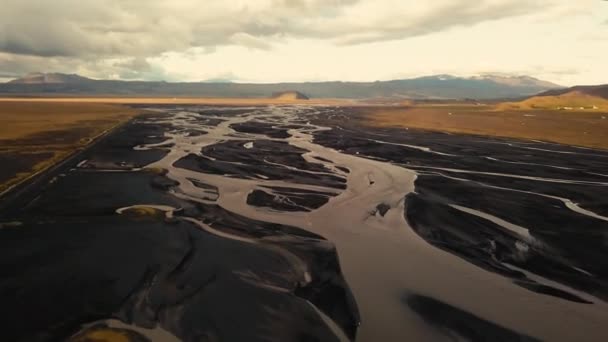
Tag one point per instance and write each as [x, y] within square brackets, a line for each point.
[37, 135]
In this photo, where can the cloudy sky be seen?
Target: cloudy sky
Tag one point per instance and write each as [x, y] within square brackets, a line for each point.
[564, 41]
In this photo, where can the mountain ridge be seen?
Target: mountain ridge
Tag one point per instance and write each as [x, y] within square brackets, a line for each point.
[50, 78]
[426, 87]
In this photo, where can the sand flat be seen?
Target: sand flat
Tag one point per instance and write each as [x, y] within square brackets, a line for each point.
[581, 128]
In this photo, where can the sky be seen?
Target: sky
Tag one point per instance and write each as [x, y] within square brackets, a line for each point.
[562, 41]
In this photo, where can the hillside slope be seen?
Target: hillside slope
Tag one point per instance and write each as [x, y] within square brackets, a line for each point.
[595, 90]
[576, 98]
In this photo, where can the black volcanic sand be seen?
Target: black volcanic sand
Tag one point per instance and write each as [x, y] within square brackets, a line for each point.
[487, 245]
[232, 159]
[519, 222]
[86, 193]
[327, 290]
[288, 199]
[116, 153]
[565, 239]
[269, 130]
[75, 261]
[458, 324]
[15, 162]
[470, 151]
[59, 275]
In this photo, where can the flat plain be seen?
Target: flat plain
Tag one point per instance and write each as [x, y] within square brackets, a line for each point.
[35, 135]
[571, 127]
[301, 221]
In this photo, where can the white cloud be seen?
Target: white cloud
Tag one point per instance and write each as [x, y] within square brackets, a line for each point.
[245, 39]
[113, 27]
[262, 40]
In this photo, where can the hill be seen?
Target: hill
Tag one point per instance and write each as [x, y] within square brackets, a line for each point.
[290, 95]
[595, 90]
[574, 98]
[428, 87]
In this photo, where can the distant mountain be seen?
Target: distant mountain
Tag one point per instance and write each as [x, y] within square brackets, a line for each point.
[518, 81]
[50, 78]
[428, 87]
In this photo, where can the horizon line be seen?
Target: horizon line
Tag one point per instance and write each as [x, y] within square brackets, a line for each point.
[245, 81]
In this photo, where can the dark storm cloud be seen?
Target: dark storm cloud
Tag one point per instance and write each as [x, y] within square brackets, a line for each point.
[64, 34]
[136, 28]
[16, 65]
[440, 19]
[116, 28]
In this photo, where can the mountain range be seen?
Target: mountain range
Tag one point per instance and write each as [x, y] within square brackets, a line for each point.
[428, 87]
